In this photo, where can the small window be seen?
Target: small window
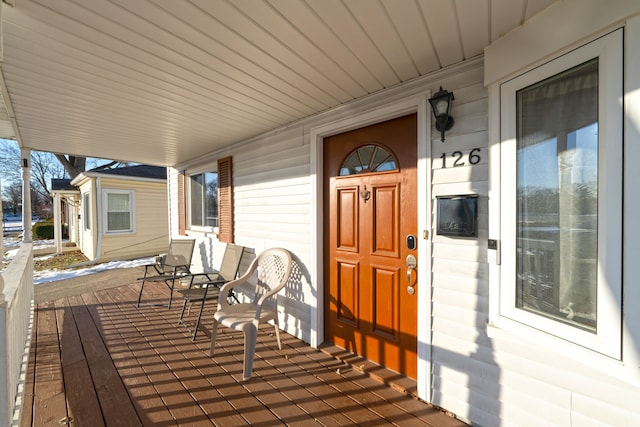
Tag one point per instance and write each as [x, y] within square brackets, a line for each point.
[204, 199]
[368, 159]
[86, 210]
[119, 211]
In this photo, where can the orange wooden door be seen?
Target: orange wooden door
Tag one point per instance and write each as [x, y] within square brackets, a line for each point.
[370, 210]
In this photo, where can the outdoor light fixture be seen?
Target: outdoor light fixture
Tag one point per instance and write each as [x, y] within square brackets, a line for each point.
[441, 105]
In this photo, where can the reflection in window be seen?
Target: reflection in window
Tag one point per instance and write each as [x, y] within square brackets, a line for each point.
[204, 199]
[557, 196]
[368, 159]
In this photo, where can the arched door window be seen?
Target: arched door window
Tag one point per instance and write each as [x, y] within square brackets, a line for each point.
[368, 159]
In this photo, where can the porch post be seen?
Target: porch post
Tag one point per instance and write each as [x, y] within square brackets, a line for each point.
[25, 164]
[57, 223]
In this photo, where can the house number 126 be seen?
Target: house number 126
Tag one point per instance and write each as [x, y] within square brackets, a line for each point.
[473, 158]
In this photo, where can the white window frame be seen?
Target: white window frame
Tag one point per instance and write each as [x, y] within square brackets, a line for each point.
[608, 337]
[86, 211]
[210, 168]
[132, 216]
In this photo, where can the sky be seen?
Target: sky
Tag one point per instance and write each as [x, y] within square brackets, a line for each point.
[538, 163]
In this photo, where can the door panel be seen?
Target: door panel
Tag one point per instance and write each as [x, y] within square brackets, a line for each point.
[348, 219]
[385, 289]
[367, 217]
[347, 293]
[385, 221]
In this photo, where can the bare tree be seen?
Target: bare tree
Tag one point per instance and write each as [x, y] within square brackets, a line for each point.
[74, 165]
[9, 161]
[44, 167]
[13, 195]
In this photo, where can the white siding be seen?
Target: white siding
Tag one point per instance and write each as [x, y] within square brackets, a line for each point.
[273, 208]
[464, 372]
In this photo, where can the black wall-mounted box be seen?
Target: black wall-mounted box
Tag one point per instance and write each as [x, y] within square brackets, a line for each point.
[457, 216]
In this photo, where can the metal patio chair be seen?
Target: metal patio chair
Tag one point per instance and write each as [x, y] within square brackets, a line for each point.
[169, 267]
[266, 276]
[206, 286]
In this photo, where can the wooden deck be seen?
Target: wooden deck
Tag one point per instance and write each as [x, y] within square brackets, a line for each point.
[98, 360]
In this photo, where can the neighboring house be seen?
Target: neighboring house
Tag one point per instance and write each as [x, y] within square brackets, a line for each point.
[496, 266]
[122, 212]
[66, 203]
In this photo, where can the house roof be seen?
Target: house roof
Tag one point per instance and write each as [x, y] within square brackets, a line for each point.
[138, 171]
[62, 185]
[165, 82]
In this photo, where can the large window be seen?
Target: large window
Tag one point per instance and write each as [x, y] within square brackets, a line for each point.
[119, 211]
[561, 190]
[203, 188]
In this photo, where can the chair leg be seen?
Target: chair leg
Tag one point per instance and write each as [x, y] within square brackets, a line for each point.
[195, 328]
[184, 305]
[173, 282]
[250, 334]
[278, 335]
[214, 333]
[140, 294]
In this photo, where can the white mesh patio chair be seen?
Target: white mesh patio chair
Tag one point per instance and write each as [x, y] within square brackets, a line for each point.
[266, 276]
[170, 267]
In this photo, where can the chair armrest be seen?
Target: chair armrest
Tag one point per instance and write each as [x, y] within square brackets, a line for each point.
[226, 288]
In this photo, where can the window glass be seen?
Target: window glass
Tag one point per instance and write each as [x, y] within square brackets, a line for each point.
[204, 199]
[119, 212]
[211, 199]
[557, 196]
[196, 199]
[368, 159]
[86, 199]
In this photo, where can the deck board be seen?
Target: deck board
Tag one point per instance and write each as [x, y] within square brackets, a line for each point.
[49, 403]
[117, 407]
[83, 405]
[96, 360]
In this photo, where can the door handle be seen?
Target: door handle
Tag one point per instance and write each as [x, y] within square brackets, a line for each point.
[411, 265]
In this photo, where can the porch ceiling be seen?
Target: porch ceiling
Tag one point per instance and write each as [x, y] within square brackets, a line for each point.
[165, 81]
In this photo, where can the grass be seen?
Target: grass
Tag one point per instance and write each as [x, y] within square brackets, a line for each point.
[59, 262]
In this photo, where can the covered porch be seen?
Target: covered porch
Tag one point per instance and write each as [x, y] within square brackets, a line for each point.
[96, 359]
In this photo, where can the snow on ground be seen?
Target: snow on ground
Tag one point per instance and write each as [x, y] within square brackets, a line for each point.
[46, 276]
[12, 244]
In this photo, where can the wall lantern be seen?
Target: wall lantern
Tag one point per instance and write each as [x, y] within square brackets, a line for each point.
[441, 106]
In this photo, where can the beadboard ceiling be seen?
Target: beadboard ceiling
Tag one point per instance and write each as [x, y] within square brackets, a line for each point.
[166, 81]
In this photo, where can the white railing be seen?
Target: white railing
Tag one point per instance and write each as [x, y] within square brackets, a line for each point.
[16, 295]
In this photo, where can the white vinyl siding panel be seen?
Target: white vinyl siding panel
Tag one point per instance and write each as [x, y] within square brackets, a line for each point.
[272, 185]
[464, 371]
